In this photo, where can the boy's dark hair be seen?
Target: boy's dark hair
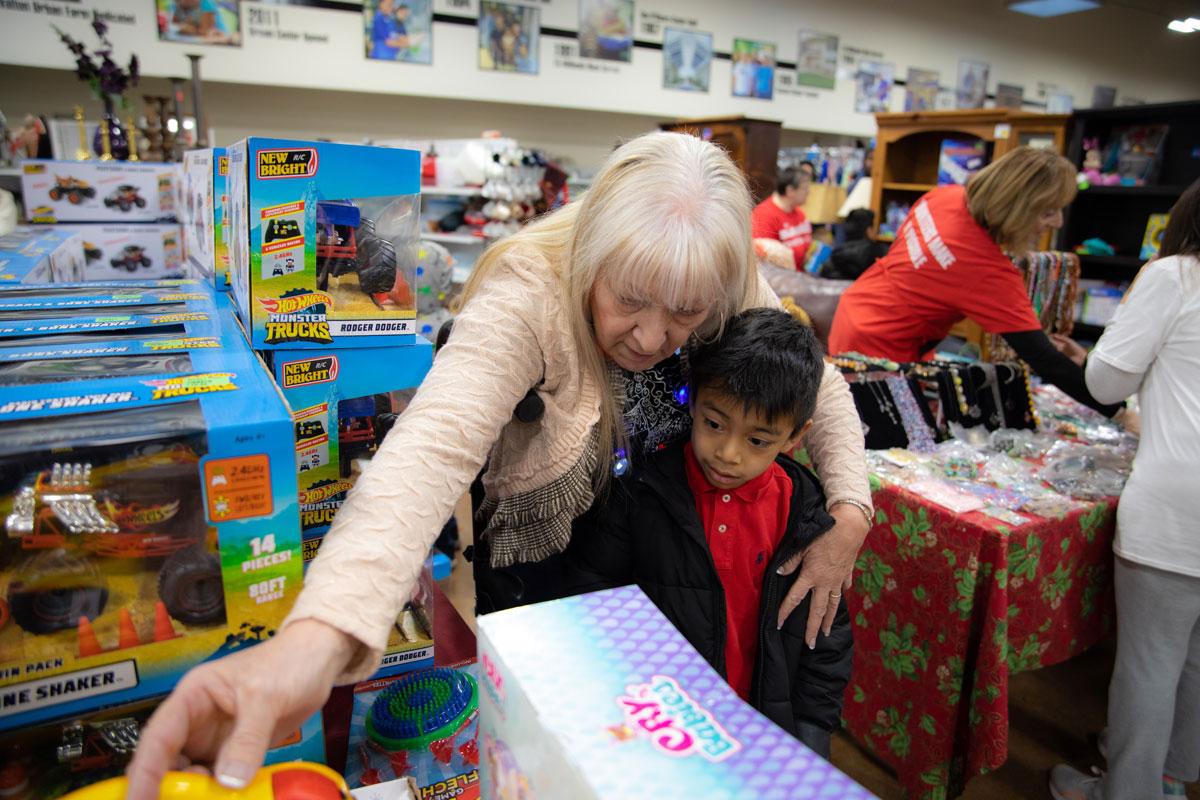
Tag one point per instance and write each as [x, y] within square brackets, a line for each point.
[788, 177]
[1182, 236]
[765, 358]
[857, 223]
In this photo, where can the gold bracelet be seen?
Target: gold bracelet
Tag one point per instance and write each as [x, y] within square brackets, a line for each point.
[866, 511]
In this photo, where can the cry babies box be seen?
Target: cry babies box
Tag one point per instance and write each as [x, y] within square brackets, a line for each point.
[598, 696]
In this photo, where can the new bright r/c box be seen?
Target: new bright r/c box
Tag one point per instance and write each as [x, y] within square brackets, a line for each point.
[148, 504]
[322, 242]
[616, 705]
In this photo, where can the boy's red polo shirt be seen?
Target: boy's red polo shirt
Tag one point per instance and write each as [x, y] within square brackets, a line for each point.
[742, 526]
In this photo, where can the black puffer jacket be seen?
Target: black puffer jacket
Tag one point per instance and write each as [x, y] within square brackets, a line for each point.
[649, 533]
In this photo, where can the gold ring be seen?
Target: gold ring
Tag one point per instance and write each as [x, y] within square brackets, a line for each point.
[835, 596]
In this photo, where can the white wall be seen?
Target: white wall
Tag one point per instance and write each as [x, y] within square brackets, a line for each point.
[333, 91]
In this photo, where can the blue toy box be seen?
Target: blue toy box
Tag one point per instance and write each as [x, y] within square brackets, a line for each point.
[621, 707]
[32, 255]
[205, 197]
[150, 512]
[99, 191]
[322, 242]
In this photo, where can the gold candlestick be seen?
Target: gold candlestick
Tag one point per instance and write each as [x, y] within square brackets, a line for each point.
[81, 154]
[131, 134]
[105, 143]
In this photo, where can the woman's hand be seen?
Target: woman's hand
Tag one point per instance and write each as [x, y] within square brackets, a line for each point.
[1070, 348]
[227, 713]
[827, 569]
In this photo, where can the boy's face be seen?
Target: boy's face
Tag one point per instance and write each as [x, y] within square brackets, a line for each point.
[734, 446]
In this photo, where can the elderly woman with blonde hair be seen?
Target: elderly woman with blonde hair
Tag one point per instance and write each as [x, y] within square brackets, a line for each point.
[587, 309]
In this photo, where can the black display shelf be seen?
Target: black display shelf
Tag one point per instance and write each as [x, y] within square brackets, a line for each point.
[1132, 263]
[1133, 191]
[1089, 332]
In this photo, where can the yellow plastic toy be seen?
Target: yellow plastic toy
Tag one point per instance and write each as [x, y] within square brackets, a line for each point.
[296, 780]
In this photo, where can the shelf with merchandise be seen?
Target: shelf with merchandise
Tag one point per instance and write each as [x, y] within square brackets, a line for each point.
[454, 238]
[453, 191]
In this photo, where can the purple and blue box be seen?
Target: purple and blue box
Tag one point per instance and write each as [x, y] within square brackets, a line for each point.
[620, 706]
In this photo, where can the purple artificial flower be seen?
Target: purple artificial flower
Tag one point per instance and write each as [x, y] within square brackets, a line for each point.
[99, 25]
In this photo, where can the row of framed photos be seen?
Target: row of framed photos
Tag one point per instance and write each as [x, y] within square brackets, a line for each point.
[509, 41]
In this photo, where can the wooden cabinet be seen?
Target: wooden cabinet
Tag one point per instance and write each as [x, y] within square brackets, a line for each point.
[753, 144]
[909, 144]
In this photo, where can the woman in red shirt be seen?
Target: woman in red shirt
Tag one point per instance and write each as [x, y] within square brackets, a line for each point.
[949, 262]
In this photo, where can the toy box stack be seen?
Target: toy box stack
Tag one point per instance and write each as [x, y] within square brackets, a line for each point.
[617, 705]
[323, 241]
[124, 212]
[148, 251]
[205, 197]
[147, 491]
[31, 255]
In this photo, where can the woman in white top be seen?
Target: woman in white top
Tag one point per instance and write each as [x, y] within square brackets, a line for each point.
[1152, 346]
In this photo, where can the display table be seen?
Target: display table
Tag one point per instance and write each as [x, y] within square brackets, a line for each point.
[945, 607]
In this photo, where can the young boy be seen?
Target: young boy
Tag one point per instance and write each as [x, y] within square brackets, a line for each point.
[703, 524]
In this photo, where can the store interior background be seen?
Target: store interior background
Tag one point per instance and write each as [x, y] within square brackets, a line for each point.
[331, 91]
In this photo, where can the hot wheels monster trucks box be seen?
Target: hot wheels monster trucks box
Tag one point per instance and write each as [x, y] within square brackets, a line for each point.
[131, 252]
[342, 404]
[205, 189]
[150, 524]
[622, 707]
[32, 255]
[99, 191]
[323, 243]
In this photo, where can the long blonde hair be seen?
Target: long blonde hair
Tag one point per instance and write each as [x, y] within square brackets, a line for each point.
[666, 219]
[1007, 196]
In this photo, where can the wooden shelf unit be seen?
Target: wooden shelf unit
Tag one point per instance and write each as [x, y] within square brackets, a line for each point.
[909, 144]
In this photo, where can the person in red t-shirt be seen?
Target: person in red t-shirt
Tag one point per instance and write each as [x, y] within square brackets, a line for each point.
[703, 525]
[948, 263]
[779, 216]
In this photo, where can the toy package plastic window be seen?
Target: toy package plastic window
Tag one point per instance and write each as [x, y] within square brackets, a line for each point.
[57, 370]
[106, 544]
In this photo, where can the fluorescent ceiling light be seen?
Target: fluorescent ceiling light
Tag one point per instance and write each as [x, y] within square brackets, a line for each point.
[1180, 26]
[1194, 22]
[1052, 8]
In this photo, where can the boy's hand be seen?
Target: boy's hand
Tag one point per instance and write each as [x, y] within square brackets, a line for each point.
[827, 570]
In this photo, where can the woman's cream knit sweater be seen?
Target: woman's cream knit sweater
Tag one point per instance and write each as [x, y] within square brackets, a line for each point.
[512, 336]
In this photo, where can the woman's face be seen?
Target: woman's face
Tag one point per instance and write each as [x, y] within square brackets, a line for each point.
[1049, 220]
[636, 334]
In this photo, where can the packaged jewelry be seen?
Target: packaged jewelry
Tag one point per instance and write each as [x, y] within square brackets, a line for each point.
[946, 494]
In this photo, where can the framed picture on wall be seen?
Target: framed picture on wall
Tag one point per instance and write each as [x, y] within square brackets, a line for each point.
[509, 37]
[972, 83]
[753, 69]
[606, 29]
[687, 60]
[398, 30]
[1009, 95]
[921, 89]
[199, 21]
[873, 87]
[816, 64]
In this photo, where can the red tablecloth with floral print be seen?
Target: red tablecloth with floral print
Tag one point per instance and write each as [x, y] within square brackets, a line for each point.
[945, 608]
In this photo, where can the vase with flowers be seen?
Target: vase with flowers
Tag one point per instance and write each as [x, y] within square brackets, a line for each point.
[109, 81]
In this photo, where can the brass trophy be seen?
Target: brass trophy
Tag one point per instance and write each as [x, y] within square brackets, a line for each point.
[132, 133]
[105, 141]
[82, 153]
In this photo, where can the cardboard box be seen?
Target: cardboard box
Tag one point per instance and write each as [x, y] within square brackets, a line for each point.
[32, 255]
[322, 243]
[445, 769]
[205, 196]
[178, 540]
[131, 252]
[336, 397]
[598, 696]
[99, 191]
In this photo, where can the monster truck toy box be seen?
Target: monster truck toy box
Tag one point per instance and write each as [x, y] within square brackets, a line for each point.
[31, 255]
[150, 524]
[131, 252]
[622, 707]
[342, 404]
[323, 243]
[99, 191]
[205, 190]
